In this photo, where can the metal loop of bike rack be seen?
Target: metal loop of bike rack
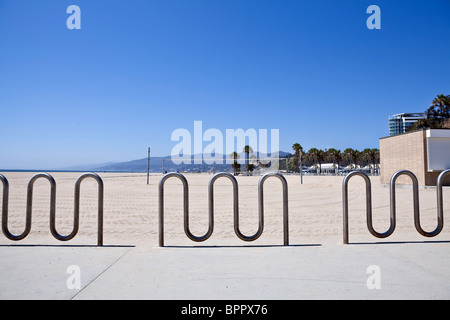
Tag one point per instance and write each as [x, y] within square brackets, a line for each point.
[395, 176]
[29, 209]
[285, 201]
[185, 210]
[235, 207]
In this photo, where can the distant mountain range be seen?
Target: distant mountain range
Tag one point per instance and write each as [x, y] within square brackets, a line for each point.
[156, 163]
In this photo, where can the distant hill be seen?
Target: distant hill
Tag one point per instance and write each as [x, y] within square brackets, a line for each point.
[140, 165]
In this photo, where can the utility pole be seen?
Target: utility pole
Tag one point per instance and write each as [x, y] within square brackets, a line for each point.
[148, 166]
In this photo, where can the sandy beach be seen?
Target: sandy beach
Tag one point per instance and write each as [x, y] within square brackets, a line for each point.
[131, 210]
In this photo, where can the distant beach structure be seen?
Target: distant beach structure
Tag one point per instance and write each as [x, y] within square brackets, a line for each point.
[425, 152]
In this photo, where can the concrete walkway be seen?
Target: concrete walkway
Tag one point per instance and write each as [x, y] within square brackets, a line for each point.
[414, 270]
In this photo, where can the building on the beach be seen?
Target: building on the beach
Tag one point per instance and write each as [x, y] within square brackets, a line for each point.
[400, 123]
[426, 153]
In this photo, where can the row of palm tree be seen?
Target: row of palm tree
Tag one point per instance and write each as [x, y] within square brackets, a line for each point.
[348, 157]
[315, 156]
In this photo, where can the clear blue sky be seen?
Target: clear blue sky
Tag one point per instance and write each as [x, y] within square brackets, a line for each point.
[137, 70]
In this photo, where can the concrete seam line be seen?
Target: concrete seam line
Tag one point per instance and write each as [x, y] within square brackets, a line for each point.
[106, 269]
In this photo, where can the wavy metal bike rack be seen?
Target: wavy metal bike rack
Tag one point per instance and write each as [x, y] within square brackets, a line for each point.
[390, 231]
[29, 209]
[235, 207]
[185, 210]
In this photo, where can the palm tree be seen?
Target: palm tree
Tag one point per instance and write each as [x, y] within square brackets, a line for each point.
[335, 155]
[352, 155]
[298, 149]
[250, 167]
[312, 155]
[247, 149]
[372, 156]
[319, 155]
[236, 166]
[307, 158]
[439, 111]
[420, 124]
[437, 114]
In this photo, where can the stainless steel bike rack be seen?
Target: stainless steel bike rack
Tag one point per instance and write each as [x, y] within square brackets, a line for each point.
[395, 176]
[440, 197]
[285, 201]
[235, 207]
[185, 210]
[29, 209]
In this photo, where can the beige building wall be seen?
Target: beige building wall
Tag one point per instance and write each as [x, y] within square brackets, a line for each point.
[407, 152]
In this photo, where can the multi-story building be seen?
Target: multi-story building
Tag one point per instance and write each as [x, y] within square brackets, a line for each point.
[399, 123]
